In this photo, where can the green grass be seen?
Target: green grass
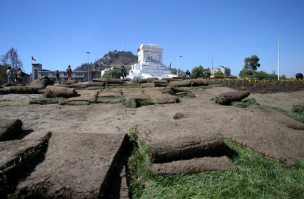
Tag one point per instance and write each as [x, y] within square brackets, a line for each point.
[75, 103]
[145, 102]
[94, 88]
[247, 102]
[129, 104]
[256, 177]
[295, 116]
[111, 100]
[178, 116]
[44, 100]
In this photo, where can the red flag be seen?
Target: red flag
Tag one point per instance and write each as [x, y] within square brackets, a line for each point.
[33, 58]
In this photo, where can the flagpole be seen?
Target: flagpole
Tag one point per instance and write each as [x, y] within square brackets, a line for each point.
[279, 57]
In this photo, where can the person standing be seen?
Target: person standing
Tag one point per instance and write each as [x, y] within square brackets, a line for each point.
[10, 75]
[69, 72]
[19, 75]
[123, 72]
[57, 76]
[188, 74]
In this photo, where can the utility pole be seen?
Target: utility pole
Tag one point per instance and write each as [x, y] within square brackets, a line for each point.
[279, 57]
[125, 45]
[88, 66]
[212, 65]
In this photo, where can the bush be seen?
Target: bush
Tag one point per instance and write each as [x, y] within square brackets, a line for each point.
[112, 74]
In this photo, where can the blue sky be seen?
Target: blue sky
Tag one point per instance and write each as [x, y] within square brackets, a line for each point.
[59, 33]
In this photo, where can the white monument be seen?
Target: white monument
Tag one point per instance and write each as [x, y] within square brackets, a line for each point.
[150, 63]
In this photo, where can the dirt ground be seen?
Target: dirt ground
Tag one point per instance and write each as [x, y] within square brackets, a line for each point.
[71, 126]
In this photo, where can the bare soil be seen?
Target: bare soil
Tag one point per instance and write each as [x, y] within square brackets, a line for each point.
[75, 162]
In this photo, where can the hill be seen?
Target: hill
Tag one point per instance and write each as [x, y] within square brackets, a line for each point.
[112, 59]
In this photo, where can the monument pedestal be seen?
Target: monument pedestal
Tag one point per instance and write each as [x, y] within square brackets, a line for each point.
[150, 63]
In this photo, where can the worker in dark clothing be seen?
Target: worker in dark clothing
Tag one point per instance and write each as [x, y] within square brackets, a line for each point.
[123, 72]
[299, 76]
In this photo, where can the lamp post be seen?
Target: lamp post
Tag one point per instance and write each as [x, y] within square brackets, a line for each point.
[88, 66]
[180, 65]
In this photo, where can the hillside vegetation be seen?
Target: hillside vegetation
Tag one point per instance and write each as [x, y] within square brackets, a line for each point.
[112, 59]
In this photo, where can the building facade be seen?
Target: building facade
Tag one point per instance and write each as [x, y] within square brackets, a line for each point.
[224, 70]
[80, 76]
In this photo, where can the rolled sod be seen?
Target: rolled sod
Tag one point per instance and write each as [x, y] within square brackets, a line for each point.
[199, 82]
[98, 80]
[9, 128]
[146, 85]
[134, 81]
[227, 98]
[42, 82]
[188, 146]
[114, 81]
[180, 83]
[69, 82]
[92, 83]
[24, 90]
[161, 98]
[160, 82]
[192, 166]
[141, 81]
[85, 95]
[109, 93]
[54, 91]
[78, 85]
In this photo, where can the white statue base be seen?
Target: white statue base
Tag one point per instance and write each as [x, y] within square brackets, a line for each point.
[150, 63]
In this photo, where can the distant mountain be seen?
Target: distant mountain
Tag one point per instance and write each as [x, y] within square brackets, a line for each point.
[112, 59]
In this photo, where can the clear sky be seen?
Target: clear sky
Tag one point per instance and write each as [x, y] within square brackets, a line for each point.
[59, 33]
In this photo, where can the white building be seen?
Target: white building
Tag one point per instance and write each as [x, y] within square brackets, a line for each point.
[150, 63]
[224, 70]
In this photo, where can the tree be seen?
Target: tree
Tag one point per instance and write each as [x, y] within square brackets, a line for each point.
[219, 73]
[252, 62]
[197, 72]
[207, 73]
[12, 58]
[173, 71]
[3, 76]
[112, 74]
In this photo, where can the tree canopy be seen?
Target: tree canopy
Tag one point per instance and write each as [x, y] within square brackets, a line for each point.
[12, 58]
[220, 73]
[252, 62]
[199, 72]
[112, 74]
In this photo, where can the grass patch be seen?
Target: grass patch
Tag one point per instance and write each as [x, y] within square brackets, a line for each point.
[295, 116]
[111, 100]
[94, 88]
[178, 116]
[75, 103]
[44, 100]
[257, 177]
[145, 102]
[247, 102]
[129, 104]
[5, 100]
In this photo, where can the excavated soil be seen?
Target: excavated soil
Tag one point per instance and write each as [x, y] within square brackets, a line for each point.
[79, 154]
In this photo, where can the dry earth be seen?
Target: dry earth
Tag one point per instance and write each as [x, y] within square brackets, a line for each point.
[85, 139]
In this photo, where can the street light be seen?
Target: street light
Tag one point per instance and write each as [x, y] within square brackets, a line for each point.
[88, 66]
[177, 65]
[180, 65]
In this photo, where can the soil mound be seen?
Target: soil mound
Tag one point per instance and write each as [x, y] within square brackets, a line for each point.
[9, 128]
[42, 82]
[54, 91]
[196, 165]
